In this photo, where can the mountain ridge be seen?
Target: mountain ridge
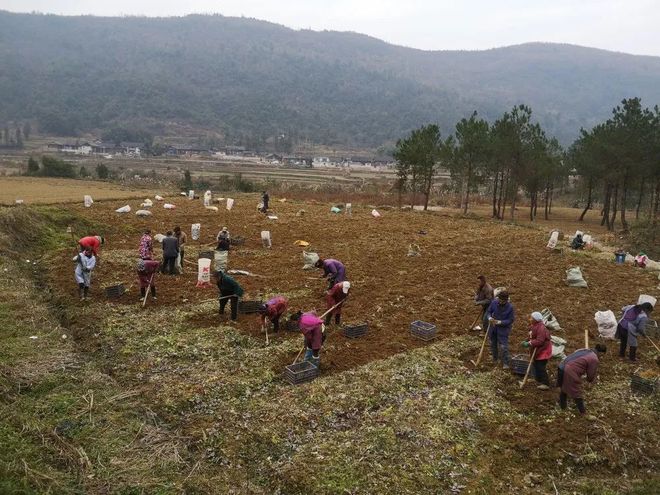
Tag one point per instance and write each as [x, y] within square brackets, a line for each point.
[243, 79]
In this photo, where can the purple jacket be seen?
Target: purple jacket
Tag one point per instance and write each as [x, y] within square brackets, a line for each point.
[335, 269]
[505, 314]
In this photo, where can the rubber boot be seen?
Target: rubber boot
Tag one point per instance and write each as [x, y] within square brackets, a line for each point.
[633, 353]
[86, 292]
[80, 292]
[153, 293]
[337, 319]
[143, 292]
[327, 320]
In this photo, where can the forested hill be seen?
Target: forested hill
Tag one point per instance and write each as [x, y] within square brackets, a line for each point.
[253, 80]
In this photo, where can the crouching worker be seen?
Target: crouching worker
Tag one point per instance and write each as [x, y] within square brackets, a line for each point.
[273, 310]
[569, 376]
[313, 331]
[336, 295]
[93, 242]
[333, 270]
[631, 326]
[85, 263]
[146, 270]
[539, 339]
[500, 317]
[231, 291]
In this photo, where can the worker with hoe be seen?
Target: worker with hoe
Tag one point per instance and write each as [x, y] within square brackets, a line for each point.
[182, 238]
[273, 310]
[265, 198]
[336, 297]
[231, 291]
[569, 376]
[146, 271]
[501, 316]
[631, 326]
[223, 234]
[146, 248]
[334, 270]
[483, 297]
[540, 348]
[170, 253]
[313, 332]
[92, 242]
[85, 263]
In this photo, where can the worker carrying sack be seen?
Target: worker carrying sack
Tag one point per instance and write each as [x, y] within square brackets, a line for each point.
[574, 277]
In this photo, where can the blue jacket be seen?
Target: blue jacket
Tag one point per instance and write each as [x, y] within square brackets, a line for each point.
[503, 313]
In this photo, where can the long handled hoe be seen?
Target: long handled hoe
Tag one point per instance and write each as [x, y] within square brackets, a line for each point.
[146, 294]
[483, 346]
[529, 367]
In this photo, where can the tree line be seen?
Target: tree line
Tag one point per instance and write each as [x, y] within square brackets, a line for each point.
[15, 136]
[616, 164]
[54, 167]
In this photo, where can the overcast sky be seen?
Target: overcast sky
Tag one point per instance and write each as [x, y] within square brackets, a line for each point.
[622, 25]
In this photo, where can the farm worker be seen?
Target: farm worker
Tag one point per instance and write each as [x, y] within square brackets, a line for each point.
[170, 252]
[336, 295]
[93, 242]
[146, 270]
[265, 198]
[146, 249]
[85, 263]
[223, 234]
[223, 244]
[182, 238]
[483, 297]
[631, 326]
[539, 339]
[273, 310]
[333, 269]
[569, 376]
[229, 291]
[641, 260]
[578, 242]
[500, 315]
[313, 331]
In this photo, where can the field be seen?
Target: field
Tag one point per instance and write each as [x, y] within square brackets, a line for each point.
[47, 191]
[176, 399]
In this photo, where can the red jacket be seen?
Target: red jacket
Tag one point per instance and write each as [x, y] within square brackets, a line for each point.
[310, 326]
[90, 242]
[275, 308]
[540, 340]
[335, 295]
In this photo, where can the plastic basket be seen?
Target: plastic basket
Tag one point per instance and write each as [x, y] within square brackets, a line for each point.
[355, 331]
[115, 291]
[237, 241]
[249, 307]
[301, 372]
[645, 386]
[519, 364]
[423, 330]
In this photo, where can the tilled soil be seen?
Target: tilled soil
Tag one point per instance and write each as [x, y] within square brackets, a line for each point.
[390, 289]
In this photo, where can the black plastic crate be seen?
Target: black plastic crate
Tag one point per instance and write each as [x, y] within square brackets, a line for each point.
[206, 254]
[519, 364]
[115, 291]
[354, 331]
[646, 386]
[423, 330]
[301, 372]
[249, 307]
[237, 241]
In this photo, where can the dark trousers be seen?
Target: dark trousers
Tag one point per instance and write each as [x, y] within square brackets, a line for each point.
[143, 291]
[563, 398]
[622, 333]
[233, 304]
[276, 323]
[169, 265]
[182, 251]
[540, 372]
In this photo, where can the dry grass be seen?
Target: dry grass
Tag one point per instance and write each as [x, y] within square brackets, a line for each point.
[48, 191]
